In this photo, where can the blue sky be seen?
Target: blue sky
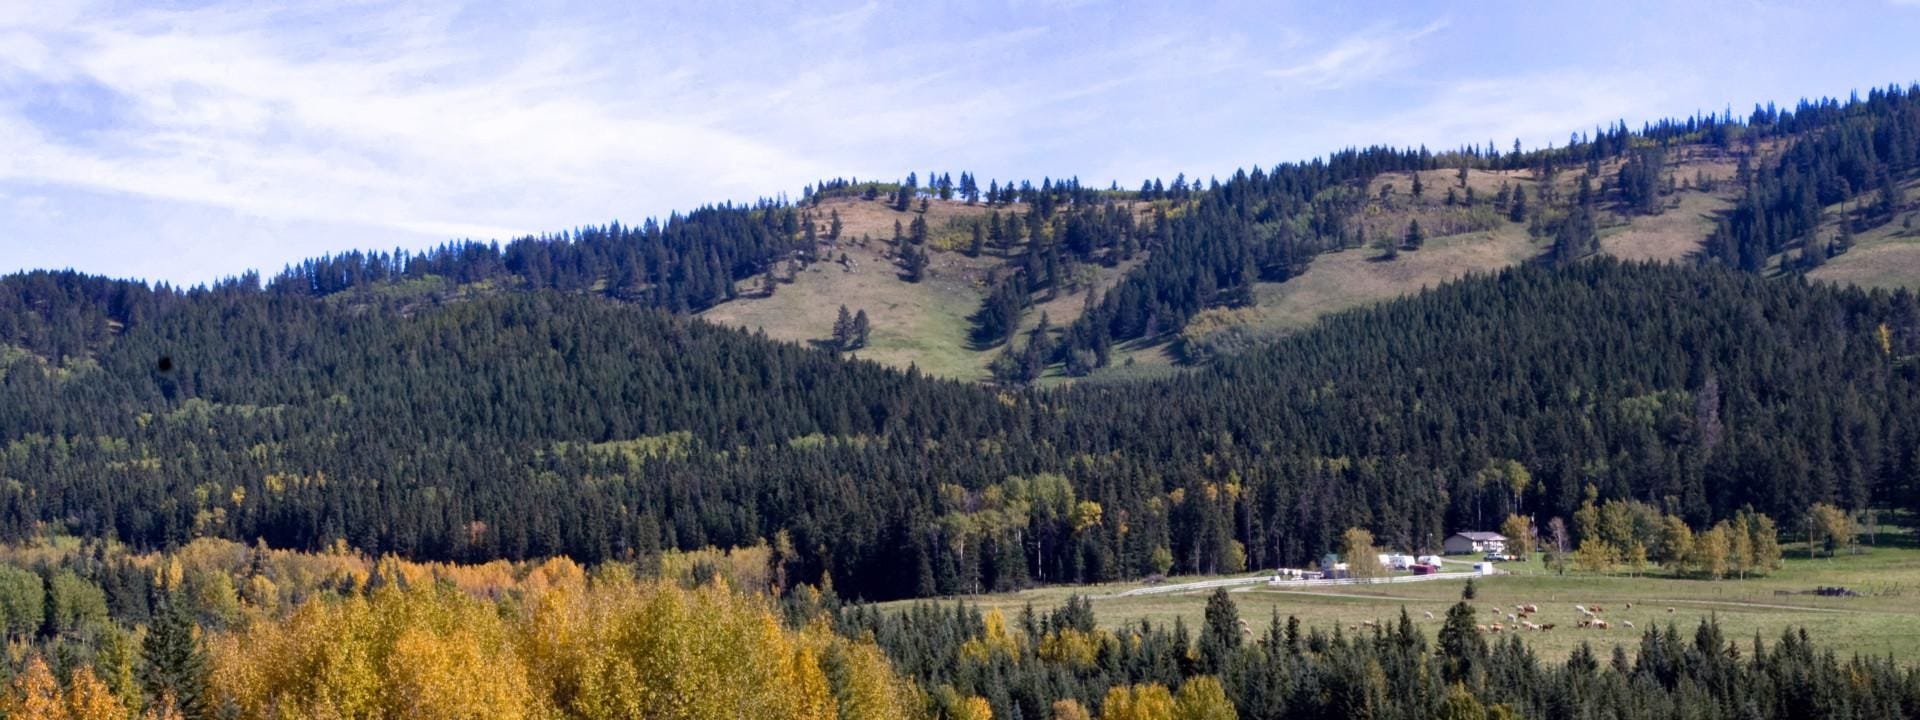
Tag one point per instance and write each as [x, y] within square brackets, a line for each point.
[186, 141]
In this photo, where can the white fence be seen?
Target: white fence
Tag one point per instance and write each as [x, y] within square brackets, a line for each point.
[1270, 582]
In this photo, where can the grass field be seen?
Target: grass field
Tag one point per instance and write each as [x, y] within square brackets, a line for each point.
[1352, 278]
[1884, 620]
[1884, 257]
[1671, 236]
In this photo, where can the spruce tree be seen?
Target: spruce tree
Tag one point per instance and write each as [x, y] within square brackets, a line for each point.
[176, 664]
[843, 330]
[861, 328]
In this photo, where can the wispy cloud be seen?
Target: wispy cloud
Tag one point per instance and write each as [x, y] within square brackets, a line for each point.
[217, 107]
[231, 135]
[1358, 58]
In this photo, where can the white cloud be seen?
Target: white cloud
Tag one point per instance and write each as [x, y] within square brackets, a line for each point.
[224, 108]
[1357, 58]
[1538, 108]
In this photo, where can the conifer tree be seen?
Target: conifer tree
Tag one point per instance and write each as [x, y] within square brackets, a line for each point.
[175, 661]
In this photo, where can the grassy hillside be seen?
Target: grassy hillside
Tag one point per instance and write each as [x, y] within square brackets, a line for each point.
[926, 324]
[1469, 240]
[921, 324]
[1886, 257]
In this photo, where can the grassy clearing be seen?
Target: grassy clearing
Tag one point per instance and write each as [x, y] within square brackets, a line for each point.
[923, 324]
[1671, 236]
[1884, 257]
[1884, 621]
[1354, 278]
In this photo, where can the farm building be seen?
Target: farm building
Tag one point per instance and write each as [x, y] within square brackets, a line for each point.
[1475, 542]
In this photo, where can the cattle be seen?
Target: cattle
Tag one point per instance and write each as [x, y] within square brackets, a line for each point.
[1600, 624]
[1532, 608]
[1628, 623]
[1429, 614]
[1512, 617]
[1669, 611]
[1546, 627]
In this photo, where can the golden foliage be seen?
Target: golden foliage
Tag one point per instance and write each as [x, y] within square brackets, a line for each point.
[1137, 702]
[34, 694]
[612, 648]
[90, 699]
[1203, 698]
[996, 639]
[1071, 647]
[1069, 709]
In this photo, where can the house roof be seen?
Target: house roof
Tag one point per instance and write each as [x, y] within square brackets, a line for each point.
[1480, 536]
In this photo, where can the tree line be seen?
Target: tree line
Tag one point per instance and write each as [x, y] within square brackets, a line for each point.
[527, 425]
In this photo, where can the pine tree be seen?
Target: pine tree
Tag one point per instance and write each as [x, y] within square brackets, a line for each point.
[1415, 236]
[1418, 188]
[1517, 205]
[1221, 634]
[1461, 648]
[861, 328]
[176, 662]
[843, 330]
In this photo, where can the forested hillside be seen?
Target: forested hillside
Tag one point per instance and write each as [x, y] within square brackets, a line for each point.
[530, 424]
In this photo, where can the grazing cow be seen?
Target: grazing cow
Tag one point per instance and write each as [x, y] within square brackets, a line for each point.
[1600, 624]
[1669, 611]
[1582, 609]
[1481, 628]
[1629, 606]
[1532, 608]
[1584, 624]
[1512, 617]
[1546, 627]
[1596, 609]
[1497, 627]
[1628, 623]
[1429, 614]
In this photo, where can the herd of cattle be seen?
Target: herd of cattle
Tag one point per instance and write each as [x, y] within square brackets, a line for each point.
[1520, 618]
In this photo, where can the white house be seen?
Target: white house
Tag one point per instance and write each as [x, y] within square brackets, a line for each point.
[1462, 543]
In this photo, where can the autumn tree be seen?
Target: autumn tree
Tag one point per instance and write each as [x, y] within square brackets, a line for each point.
[1595, 555]
[1363, 559]
[1519, 533]
[1203, 698]
[1137, 702]
[1830, 528]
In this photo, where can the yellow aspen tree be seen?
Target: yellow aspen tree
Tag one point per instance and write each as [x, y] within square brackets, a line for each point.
[1202, 698]
[34, 694]
[90, 699]
[1070, 709]
[973, 707]
[162, 709]
[1137, 702]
